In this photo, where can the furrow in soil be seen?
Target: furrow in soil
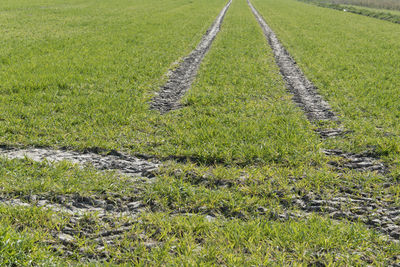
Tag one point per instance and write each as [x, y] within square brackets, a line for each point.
[124, 164]
[181, 78]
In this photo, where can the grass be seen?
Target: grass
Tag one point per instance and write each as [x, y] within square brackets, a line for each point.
[40, 177]
[22, 232]
[63, 95]
[84, 78]
[354, 69]
[381, 4]
[394, 12]
[383, 14]
[196, 240]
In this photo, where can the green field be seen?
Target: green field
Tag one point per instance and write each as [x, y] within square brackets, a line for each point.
[388, 13]
[378, 4]
[394, 12]
[243, 172]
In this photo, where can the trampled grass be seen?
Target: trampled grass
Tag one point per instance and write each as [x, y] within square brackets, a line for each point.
[84, 79]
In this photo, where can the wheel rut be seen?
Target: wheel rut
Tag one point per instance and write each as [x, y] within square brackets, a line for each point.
[351, 201]
[376, 213]
[124, 164]
[305, 95]
[180, 79]
[304, 92]
[101, 220]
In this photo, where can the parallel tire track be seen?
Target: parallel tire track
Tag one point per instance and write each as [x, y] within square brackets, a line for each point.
[181, 78]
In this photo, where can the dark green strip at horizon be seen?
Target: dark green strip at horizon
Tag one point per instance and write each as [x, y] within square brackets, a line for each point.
[357, 10]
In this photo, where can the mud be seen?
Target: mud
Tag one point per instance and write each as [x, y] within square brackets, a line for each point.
[359, 162]
[181, 78]
[77, 205]
[350, 202]
[375, 212]
[125, 164]
[330, 133]
[305, 93]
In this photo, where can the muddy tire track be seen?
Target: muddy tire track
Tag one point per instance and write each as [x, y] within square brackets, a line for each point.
[359, 162]
[77, 205]
[376, 213]
[379, 212]
[181, 78]
[101, 220]
[305, 94]
[124, 164]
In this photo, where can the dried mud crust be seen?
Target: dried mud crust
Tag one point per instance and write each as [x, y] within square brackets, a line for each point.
[349, 203]
[125, 164]
[359, 162]
[77, 205]
[182, 77]
[101, 220]
[329, 133]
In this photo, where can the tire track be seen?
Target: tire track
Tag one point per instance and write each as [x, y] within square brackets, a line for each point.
[99, 219]
[77, 205]
[124, 164]
[352, 202]
[181, 78]
[376, 213]
[305, 94]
